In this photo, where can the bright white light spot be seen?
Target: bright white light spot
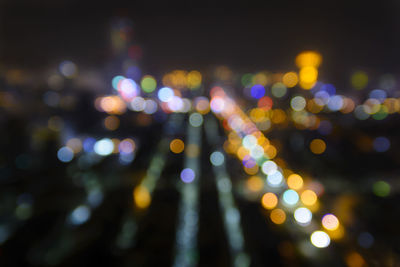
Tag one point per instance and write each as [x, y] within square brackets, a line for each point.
[303, 216]
[249, 141]
[104, 147]
[320, 239]
[165, 94]
[257, 152]
[217, 104]
[275, 179]
[269, 167]
[175, 104]
[128, 89]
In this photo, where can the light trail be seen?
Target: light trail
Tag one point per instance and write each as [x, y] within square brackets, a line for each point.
[186, 252]
[231, 214]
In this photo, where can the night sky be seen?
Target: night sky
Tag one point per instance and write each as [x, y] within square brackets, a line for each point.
[245, 35]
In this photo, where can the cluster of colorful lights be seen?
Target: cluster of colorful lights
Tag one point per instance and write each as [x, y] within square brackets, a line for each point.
[282, 197]
[286, 195]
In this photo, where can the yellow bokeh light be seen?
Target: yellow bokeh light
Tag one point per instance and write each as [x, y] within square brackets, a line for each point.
[278, 116]
[317, 146]
[193, 79]
[242, 152]
[308, 77]
[308, 59]
[177, 146]
[251, 171]
[308, 197]
[262, 141]
[269, 200]
[290, 79]
[392, 105]
[295, 181]
[255, 183]
[260, 78]
[355, 260]
[359, 80]
[257, 114]
[141, 197]
[270, 151]
[338, 233]
[230, 148]
[277, 216]
[234, 138]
